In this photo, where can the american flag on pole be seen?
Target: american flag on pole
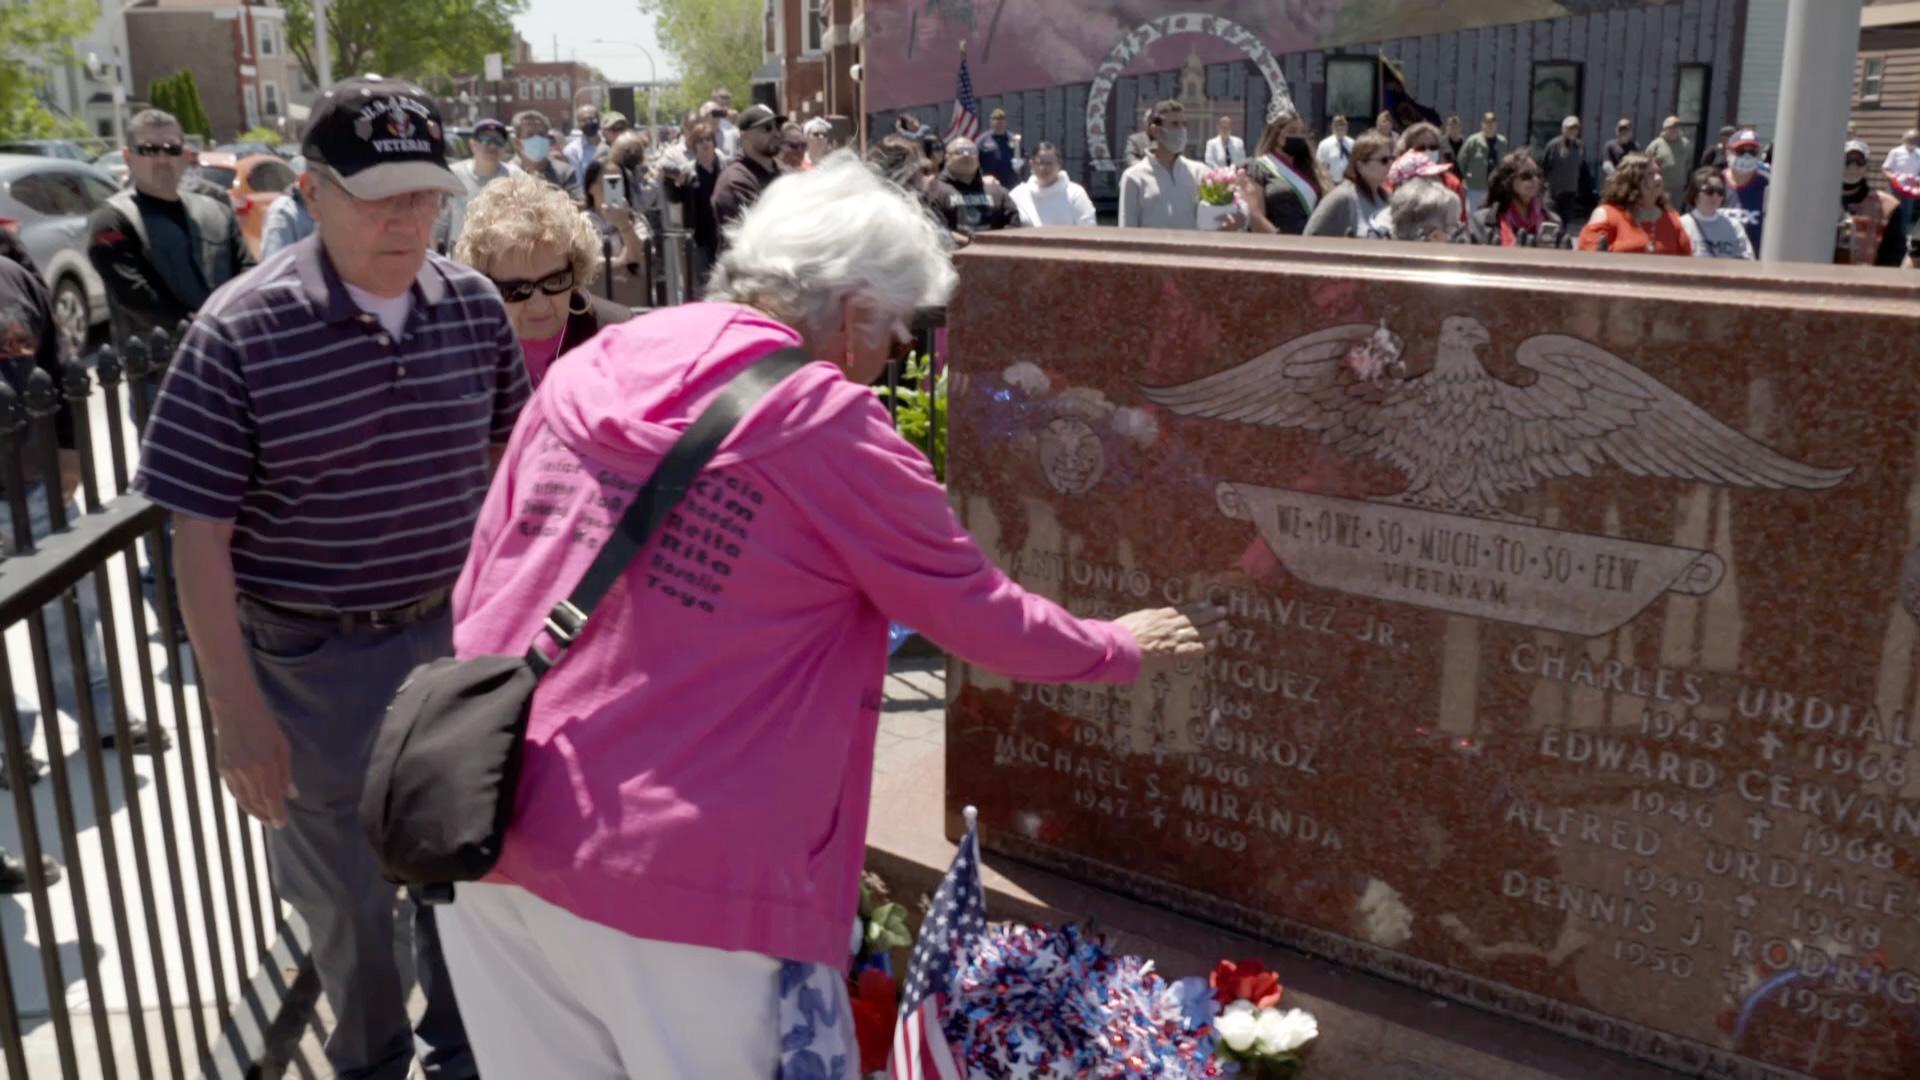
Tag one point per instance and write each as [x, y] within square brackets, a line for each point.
[966, 110]
[957, 919]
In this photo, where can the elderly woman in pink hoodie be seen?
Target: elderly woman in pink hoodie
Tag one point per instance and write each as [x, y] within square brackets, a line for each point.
[692, 808]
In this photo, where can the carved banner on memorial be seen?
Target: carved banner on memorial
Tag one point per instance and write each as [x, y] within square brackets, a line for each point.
[1572, 663]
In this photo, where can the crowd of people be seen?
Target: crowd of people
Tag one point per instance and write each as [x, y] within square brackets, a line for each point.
[1663, 199]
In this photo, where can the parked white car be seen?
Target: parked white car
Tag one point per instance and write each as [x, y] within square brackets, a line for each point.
[48, 201]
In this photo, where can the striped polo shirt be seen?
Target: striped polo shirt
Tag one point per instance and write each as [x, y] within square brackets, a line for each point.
[351, 464]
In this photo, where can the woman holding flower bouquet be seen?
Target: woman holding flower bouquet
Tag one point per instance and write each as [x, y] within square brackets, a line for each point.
[1288, 177]
[690, 819]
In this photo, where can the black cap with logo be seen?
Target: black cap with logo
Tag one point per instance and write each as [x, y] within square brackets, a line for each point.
[380, 137]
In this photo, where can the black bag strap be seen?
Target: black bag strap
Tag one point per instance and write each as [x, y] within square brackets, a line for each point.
[660, 494]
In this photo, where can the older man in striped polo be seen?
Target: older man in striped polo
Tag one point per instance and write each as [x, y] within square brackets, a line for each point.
[325, 439]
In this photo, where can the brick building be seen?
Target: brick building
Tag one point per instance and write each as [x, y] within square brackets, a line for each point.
[236, 49]
[1886, 77]
[813, 53]
[550, 88]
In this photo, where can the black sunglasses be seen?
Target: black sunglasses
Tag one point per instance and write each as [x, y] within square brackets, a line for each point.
[495, 141]
[519, 292]
[153, 150]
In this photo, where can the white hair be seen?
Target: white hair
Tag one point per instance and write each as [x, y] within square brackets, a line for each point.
[835, 233]
[819, 125]
[1421, 207]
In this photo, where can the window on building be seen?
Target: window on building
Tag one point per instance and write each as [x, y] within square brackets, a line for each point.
[270, 95]
[253, 105]
[1690, 103]
[816, 26]
[1873, 73]
[526, 92]
[1350, 91]
[1556, 96]
[269, 46]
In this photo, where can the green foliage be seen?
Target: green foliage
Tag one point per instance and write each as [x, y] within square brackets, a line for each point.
[35, 32]
[920, 415]
[179, 94]
[884, 922]
[426, 40]
[717, 42]
[260, 135]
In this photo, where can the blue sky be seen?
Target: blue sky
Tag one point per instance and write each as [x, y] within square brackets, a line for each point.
[614, 20]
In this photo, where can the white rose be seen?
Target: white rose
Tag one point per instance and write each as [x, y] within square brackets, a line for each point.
[1236, 1026]
[1279, 1033]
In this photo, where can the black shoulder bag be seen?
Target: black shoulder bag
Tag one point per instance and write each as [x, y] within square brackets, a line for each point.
[441, 782]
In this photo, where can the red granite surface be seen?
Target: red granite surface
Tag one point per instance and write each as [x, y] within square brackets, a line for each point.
[1573, 661]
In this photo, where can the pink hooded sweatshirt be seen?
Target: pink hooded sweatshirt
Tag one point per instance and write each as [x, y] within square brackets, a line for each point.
[697, 768]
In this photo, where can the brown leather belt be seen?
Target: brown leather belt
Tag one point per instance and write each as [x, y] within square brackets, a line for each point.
[351, 621]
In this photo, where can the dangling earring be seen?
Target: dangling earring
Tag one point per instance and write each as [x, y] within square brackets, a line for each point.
[585, 304]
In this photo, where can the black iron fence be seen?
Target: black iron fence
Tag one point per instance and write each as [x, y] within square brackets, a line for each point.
[148, 940]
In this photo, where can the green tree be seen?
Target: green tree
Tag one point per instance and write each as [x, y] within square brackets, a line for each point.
[35, 33]
[425, 40]
[179, 94]
[717, 42]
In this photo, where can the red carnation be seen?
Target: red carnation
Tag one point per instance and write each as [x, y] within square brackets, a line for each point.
[875, 1001]
[1248, 980]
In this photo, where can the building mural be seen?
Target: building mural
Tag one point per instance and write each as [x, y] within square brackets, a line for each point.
[1028, 44]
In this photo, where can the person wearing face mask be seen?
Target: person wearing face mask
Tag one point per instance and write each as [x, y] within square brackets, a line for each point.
[1048, 197]
[586, 142]
[968, 199]
[1713, 234]
[533, 137]
[1747, 181]
[488, 164]
[1875, 234]
[746, 176]
[1516, 213]
[1288, 177]
[1359, 200]
[1163, 190]
[543, 254]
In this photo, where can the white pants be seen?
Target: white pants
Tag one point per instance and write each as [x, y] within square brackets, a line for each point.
[545, 993]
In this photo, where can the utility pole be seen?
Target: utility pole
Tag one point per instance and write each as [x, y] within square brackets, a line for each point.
[1816, 92]
[322, 52]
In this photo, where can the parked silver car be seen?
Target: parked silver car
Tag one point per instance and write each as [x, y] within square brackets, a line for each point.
[48, 199]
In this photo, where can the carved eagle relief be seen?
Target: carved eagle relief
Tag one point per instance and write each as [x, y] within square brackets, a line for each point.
[1465, 438]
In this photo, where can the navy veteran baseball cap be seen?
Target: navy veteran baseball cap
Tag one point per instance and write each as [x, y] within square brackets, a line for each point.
[379, 138]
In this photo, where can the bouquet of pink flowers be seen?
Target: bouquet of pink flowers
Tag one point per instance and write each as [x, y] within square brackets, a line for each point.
[1216, 187]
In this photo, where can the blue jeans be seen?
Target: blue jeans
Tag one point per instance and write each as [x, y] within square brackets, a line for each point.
[25, 692]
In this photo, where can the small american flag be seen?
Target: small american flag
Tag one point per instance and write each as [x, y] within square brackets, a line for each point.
[957, 919]
[966, 110]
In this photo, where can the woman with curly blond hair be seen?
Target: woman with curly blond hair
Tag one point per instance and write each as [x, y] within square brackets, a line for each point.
[529, 238]
[1633, 216]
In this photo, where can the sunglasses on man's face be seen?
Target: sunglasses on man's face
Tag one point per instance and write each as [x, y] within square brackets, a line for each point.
[520, 291]
[498, 142]
[157, 149]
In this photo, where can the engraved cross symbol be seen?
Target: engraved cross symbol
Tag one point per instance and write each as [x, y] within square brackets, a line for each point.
[1158, 815]
[1157, 719]
[1769, 744]
[1745, 903]
[1758, 823]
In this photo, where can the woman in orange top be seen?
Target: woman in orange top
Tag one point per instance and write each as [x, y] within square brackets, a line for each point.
[1633, 215]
